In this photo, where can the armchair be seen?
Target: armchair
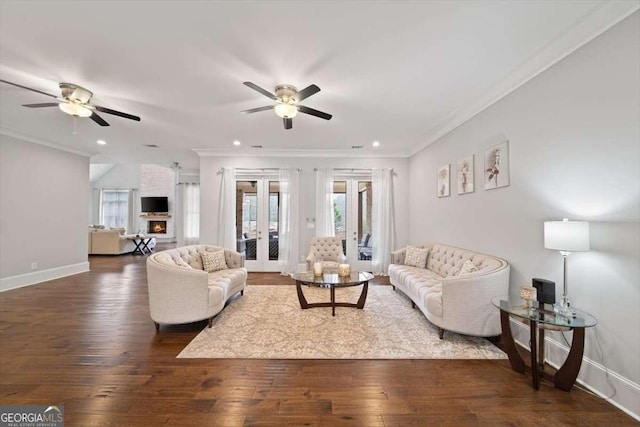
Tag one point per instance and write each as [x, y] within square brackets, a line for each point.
[325, 249]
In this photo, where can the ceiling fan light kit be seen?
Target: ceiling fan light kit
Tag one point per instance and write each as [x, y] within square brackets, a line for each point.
[287, 97]
[286, 111]
[74, 109]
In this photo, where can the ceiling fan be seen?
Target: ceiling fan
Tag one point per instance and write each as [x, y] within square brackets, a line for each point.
[75, 102]
[287, 98]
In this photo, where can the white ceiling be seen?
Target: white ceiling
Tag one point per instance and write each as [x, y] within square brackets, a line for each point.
[402, 73]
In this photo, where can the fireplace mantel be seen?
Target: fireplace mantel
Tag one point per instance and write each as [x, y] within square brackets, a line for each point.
[152, 216]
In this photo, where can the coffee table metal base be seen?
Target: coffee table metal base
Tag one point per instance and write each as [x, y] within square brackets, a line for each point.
[333, 304]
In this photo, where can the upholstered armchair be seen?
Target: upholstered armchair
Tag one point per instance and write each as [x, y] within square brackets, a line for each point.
[328, 250]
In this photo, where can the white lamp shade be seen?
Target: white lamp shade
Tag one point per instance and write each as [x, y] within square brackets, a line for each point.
[565, 235]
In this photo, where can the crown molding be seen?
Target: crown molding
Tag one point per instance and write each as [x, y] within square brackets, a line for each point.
[265, 152]
[4, 130]
[599, 19]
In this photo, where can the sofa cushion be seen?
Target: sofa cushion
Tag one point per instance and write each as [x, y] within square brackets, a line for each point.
[213, 261]
[228, 279]
[467, 268]
[416, 257]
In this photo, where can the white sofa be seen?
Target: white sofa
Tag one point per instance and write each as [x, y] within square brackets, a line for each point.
[110, 241]
[457, 304]
[181, 294]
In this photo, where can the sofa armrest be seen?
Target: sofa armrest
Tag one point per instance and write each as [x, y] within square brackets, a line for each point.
[468, 299]
[233, 259]
[397, 256]
[168, 306]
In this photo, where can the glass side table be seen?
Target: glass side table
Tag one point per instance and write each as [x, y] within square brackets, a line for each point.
[541, 317]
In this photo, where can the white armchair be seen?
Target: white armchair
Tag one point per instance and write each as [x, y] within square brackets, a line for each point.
[328, 250]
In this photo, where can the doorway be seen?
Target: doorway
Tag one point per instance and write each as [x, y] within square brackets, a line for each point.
[352, 199]
[257, 222]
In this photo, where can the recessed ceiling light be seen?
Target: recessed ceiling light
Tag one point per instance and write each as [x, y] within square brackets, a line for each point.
[101, 142]
[236, 143]
[356, 147]
[376, 143]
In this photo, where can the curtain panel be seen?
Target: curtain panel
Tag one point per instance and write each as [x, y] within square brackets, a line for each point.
[325, 222]
[227, 213]
[383, 220]
[289, 227]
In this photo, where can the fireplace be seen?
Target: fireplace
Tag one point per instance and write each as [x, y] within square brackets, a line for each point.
[157, 227]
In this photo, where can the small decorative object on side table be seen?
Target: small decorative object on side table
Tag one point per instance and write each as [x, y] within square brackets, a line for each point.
[344, 270]
[540, 319]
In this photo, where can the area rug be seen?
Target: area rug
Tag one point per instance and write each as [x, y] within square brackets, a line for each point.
[268, 323]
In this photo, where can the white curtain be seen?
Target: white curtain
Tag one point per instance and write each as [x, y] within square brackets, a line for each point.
[325, 222]
[114, 210]
[188, 206]
[289, 221]
[383, 222]
[227, 212]
[133, 212]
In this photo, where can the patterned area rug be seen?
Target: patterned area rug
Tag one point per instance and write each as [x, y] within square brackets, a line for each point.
[268, 323]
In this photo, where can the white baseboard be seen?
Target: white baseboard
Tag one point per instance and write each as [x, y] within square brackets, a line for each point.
[592, 376]
[21, 280]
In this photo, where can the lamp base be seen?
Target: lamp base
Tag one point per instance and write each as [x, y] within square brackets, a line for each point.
[564, 309]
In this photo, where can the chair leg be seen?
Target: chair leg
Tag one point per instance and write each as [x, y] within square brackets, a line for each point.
[242, 292]
[394, 287]
[441, 333]
[210, 322]
[413, 304]
[157, 326]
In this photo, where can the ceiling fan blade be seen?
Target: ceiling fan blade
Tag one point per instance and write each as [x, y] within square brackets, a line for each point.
[28, 88]
[259, 89]
[99, 120]
[306, 92]
[44, 104]
[115, 113]
[255, 110]
[313, 112]
[288, 123]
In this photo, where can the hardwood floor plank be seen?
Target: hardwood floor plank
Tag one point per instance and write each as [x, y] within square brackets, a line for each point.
[87, 342]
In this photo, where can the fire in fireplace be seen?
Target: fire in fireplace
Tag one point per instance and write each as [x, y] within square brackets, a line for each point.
[157, 227]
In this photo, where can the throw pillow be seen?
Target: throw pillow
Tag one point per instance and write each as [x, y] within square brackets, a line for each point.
[416, 257]
[467, 268]
[213, 261]
[182, 263]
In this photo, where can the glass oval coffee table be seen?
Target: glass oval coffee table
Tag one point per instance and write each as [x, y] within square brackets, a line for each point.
[332, 281]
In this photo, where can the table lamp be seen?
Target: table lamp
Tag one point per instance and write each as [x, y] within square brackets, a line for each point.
[566, 236]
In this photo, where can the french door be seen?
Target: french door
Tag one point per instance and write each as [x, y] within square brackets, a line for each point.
[257, 210]
[352, 198]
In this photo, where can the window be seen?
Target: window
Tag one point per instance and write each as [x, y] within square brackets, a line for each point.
[114, 208]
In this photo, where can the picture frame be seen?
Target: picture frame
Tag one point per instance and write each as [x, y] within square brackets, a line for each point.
[465, 172]
[443, 180]
[496, 166]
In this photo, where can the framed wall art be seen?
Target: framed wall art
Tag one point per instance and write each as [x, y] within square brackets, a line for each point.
[465, 173]
[443, 181]
[496, 166]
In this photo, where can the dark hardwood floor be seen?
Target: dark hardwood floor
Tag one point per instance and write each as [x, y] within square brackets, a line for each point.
[87, 342]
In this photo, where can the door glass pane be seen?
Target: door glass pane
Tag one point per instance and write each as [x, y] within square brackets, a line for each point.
[247, 218]
[340, 211]
[364, 220]
[274, 211]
